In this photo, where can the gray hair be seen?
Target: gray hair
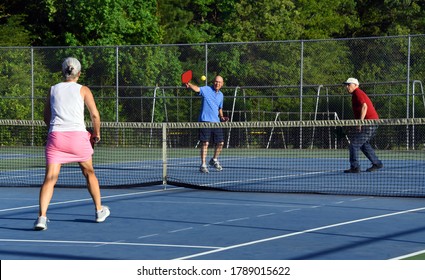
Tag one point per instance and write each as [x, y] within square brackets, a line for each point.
[71, 67]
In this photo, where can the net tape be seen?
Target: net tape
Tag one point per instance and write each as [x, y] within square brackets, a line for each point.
[301, 123]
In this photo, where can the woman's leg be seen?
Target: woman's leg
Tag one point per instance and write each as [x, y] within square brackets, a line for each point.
[92, 183]
[46, 191]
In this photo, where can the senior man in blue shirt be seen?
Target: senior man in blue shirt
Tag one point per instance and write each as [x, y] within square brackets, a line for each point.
[211, 111]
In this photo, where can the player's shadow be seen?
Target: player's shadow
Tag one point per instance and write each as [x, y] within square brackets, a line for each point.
[86, 221]
[17, 228]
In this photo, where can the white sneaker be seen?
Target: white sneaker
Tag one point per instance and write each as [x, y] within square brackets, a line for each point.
[203, 169]
[215, 164]
[102, 214]
[41, 223]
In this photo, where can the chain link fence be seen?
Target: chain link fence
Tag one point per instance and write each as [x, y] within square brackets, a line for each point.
[264, 81]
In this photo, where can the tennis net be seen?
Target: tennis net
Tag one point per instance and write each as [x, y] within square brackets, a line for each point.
[277, 156]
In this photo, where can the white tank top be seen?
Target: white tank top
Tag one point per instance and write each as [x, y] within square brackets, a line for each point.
[67, 107]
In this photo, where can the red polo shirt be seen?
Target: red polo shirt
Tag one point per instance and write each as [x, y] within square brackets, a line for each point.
[358, 98]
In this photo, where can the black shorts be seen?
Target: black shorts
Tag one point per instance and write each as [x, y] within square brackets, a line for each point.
[213, 135]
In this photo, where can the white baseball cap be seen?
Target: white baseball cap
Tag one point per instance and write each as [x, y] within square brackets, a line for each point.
[352, 81]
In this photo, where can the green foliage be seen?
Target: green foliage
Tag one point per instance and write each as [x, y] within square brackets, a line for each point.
[390, 17]
[96, 22]
[125, 79]
[261, 20]
[326, 18]
[133, 22]
[16, 85]
[177, 22]
[12, 32]
[142, 70]
[108, 22]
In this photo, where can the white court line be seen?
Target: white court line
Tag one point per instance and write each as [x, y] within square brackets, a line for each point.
[237, 219]
[213, 224]
[361, 198]
[88, 199]
[409, 255]
[265, 215]
[297, 233]
[292, 210]
[196, 160]
[179, 230]
[64, 171]
[106, 243]
[102, 243]
[42, 171]
[274, 177]
[147, 236]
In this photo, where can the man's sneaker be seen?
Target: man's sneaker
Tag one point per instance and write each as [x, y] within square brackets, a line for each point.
[215, 164]
[203, 169]
[352, 170]
[102, 214]
[375, 167]
[41, 223]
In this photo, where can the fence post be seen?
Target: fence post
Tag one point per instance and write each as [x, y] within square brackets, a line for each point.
[206, 63]
[408, 91]
[164, 154]
[117, 83]
[32, 94]
[301, 90]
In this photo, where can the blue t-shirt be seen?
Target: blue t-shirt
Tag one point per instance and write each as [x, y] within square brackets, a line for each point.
[211, 102]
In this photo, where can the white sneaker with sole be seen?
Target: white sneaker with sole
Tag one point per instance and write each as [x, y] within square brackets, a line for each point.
[216, 164]
[102, 214]
[203, 169]
[41, 223]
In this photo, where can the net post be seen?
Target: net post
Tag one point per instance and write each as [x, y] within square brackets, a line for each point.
[315, 115]
[231, 116]
[413, 106]
[153, 112]
[164, 154]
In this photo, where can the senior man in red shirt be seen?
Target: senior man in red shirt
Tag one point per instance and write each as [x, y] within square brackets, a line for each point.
[359, 140]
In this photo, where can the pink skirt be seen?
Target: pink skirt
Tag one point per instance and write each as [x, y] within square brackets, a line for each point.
[68, 146]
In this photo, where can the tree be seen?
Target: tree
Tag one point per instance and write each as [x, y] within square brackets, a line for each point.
[326, 18]
[175, 19]
[390, 17]
[96, 22]
[12, 31]
[274, 22]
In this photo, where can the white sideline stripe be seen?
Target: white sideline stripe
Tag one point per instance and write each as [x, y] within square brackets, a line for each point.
[238, 219]
[182, 229]
[106, 243]
[409, 255]
[273, 177]
[265, 215]
[297, 233]
[89, 199]
[102, 243]
[147, 236]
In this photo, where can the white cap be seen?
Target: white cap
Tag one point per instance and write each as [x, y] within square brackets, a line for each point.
[352, 81]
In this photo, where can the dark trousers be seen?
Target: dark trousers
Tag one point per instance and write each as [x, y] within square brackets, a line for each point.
[359, 141]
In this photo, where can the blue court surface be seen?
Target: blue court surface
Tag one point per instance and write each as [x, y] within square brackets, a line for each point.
[174, 223]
